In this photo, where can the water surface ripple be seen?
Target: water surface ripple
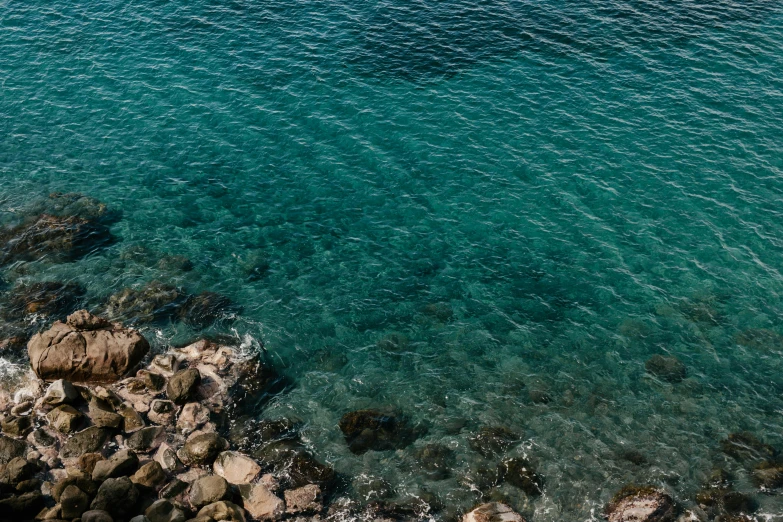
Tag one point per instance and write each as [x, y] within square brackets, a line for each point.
[482, 213]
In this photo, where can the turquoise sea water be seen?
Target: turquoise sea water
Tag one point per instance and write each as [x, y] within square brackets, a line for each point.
[480, 213]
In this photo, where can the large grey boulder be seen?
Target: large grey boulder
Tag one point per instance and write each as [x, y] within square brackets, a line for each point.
[86, 349]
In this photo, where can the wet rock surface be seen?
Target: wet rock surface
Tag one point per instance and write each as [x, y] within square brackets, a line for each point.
[640, 504]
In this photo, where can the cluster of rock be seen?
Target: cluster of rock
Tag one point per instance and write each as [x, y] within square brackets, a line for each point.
[108, 440]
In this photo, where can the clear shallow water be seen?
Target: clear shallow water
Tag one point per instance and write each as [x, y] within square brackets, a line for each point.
[574, 186]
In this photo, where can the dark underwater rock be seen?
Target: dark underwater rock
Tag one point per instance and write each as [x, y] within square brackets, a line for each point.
[436, 460]
[366, 430]
[258, 381]
[155, 301]
[48, 298]
[716, 501]
[745, 446]
[768, 475]
[73, 204]
[666, 368]
[520, 473]
[206, 308]
[59, 239]
[640, 504]
[492, 441]
[296, 466]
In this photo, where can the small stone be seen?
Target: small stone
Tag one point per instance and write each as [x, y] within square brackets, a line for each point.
[10, 449]
[224, 511]
[193, 416]
[203, 449]
[164, 511]
[42, 438]
[493, 512]
[64, 418]
[102, 417]
[132, 421]
[236, 468]
[117, 496]
[150, 475]
[153, 381]
[303, 500]
[121, 464]
[262, 504]
[73, 502]
[87, 462]
[17, 426]
[166, 364]
[139, 518]
[162, 412]
[23, 408]
[146, 439]
[182, 385]
[208, 490]
[61, 392]
[96, 515]
[167, 458]
[16, 471]
[90, 440]
[175, 491]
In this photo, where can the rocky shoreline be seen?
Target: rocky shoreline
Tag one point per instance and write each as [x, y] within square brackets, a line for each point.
[101, 429]
[97, 437]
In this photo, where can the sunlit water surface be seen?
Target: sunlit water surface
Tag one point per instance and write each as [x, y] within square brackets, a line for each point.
[480, 213]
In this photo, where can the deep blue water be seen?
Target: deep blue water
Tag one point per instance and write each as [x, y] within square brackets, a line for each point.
[528, 199]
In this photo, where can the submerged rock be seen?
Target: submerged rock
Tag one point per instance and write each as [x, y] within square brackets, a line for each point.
[366, 430]
[48, 299]
[436, 460]
[640, 504]
[520, 473]
[493, 512]
[666, 368]
[206, 308]
[768, 475]
[745, 446]
[492, 441]
[53, 237]
[86, 349]
[155, 301]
